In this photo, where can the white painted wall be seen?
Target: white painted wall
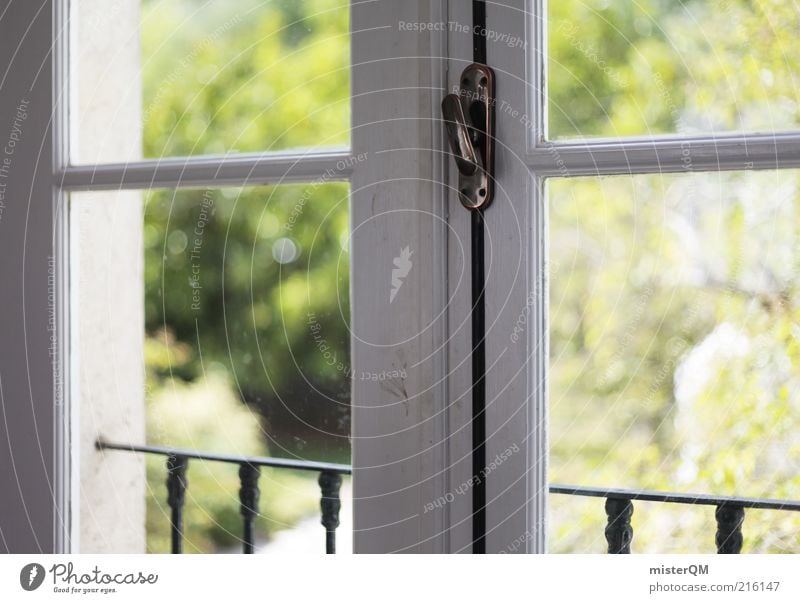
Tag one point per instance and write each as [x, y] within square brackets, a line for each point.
[107, 282]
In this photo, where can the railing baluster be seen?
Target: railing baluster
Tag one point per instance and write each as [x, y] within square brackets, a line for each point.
[619, 532]
[729, 529]
[176, 497]
[248, 498]
[330, 483]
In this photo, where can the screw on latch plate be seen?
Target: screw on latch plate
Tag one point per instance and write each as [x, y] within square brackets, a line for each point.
[469, 117]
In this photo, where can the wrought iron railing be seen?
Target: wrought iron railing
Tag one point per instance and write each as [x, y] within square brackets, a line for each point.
[330, 481]
[729, 513]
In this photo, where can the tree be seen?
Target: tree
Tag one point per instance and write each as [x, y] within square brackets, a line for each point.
[673, 298]
[246, 290]
[253, 279]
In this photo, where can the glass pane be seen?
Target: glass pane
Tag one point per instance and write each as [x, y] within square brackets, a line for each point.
[242, 321]
[157, 78]
[674, 306]
[620, 68]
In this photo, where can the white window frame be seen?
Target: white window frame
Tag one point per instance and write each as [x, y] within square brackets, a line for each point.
[40, 514]
[517, 224]
[34, 370]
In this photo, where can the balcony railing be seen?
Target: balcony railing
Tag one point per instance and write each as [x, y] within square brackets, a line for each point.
[330, 481]
[729, 512]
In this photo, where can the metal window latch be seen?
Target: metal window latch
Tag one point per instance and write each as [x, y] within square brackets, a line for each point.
[469, 117]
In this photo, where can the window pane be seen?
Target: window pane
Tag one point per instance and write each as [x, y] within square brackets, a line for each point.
[620, 68]
[192, 77]
[243, 323]
[674, 305]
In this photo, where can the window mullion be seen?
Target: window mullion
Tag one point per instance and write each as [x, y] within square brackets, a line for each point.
[193, 172]
[668, 154]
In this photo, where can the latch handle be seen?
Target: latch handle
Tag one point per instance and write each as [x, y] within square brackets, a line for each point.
[458, 134]
[469, 118]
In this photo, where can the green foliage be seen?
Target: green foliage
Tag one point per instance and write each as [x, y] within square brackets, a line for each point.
[246, 290]
[674, 299]
[253, 76]
[206, 415]
[621, 68]
[674, 306]
[244, 76]
[214, 282]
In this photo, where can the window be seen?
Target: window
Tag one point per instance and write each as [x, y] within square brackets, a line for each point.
[245, 303]
[124, 138]
[146, 145]
[671, 305]
[644, 267]
[242, 300]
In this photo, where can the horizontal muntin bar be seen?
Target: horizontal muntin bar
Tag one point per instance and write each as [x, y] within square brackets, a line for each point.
[675, 497]
[261, 461]
[211, 171]
[671, 154]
